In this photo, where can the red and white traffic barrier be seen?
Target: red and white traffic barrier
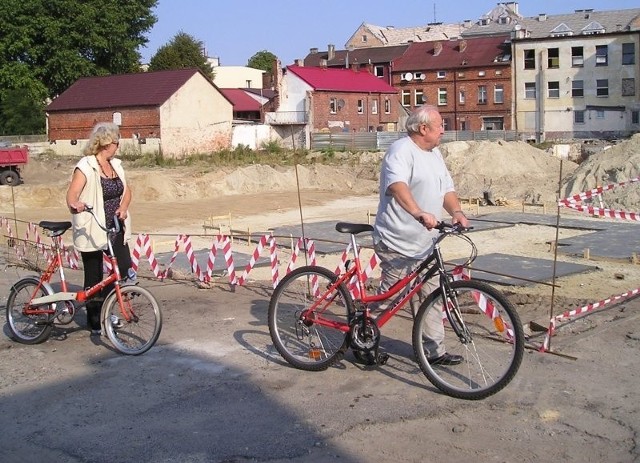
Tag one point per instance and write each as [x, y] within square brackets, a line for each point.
[572, 202]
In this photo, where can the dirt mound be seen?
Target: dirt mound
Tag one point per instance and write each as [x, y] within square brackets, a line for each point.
[514, 170]
[617, 164]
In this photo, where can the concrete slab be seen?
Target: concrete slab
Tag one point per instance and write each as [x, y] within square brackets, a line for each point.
[610, 240]
[513, 270]
[327, 239]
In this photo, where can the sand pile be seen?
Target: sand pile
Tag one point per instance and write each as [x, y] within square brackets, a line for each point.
[514, 170]
[617, 164]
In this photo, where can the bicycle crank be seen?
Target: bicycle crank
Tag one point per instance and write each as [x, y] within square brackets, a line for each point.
[365, 334]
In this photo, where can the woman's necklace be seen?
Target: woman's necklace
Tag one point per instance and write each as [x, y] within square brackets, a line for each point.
[105, 174]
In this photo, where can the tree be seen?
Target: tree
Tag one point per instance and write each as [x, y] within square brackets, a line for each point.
[263, 60]
[182, 51]
[47, 45]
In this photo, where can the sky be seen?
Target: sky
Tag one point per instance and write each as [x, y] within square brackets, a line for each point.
[234, 30]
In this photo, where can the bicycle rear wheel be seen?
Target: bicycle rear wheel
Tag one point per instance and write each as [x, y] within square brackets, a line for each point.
[28, 329]
[302, 342]
[491, 341]
[139, 334]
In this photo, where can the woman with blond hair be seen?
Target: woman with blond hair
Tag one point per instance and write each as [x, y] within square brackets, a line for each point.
[98, 180]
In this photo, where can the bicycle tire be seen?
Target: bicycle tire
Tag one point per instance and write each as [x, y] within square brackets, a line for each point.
[302, 343]
[138, 335]
[492, 355]
[27, 329]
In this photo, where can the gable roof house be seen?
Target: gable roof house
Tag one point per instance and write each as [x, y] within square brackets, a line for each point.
[370, 35]
[180, 111]
[335, 100]
[469, 80]
[576, 75]
[245, 107]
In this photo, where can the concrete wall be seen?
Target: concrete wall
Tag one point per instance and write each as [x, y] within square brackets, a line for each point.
[197, 118]
[237, 77]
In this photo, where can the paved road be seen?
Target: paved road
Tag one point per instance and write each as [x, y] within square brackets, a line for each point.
[214, 390]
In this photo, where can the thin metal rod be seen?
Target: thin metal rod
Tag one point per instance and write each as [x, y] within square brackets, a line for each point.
[555, 253]
[304, 239]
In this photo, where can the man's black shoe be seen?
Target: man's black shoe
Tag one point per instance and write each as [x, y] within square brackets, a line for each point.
[447, 359]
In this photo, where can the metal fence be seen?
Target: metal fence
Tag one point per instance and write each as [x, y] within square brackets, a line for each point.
[380, 141]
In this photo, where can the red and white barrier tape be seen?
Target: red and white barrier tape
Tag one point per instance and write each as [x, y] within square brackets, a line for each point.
[572, 202]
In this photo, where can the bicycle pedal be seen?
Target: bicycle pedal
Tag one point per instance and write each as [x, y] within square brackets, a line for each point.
[382, 359]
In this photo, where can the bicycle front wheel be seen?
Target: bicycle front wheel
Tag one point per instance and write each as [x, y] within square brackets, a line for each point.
[137, 332]
[484, 329]
[28, 328]
[297, 336]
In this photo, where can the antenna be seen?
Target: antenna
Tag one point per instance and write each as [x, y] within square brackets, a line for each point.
[434, 12]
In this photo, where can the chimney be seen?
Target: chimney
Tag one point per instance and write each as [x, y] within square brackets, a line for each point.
[355, 67]
[466, 23]
[323, 63]
[513, 6]
[462, 46]
[331, 52]
[542, 17]
[437, 48]
[299, 62]
[313, 51]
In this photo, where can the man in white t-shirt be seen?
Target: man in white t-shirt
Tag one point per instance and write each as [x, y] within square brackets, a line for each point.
[415, 186]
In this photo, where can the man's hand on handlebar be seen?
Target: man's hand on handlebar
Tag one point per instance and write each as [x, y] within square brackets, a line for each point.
[429, 221]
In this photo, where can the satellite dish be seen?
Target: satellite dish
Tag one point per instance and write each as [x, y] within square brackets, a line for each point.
[408, 77]
[340, 103]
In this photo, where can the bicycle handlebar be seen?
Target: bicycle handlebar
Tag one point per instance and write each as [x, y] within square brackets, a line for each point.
[116, 221]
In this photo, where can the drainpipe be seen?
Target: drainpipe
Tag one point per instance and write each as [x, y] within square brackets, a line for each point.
[541, 100]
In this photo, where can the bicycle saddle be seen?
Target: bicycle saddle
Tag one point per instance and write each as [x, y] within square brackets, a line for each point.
[353, 228]
[56, 228]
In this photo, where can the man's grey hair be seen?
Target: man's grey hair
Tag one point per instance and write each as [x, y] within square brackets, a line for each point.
[422, 115]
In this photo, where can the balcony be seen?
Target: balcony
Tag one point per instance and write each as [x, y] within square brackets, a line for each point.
[286, 118]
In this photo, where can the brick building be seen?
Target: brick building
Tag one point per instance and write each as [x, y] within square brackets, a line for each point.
[336, 100]
[469, 80]
[181, 111]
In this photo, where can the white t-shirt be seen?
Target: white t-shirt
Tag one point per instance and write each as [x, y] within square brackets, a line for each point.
[428, 179]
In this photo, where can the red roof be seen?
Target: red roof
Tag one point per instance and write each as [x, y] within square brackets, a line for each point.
[122, 90]
[341, 80]
[240, 100]
[478, 52]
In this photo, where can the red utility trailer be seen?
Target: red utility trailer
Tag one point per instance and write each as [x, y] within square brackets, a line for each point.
[12, 160]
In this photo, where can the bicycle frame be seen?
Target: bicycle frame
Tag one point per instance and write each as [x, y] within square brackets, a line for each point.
[414, 281]
[65, 295]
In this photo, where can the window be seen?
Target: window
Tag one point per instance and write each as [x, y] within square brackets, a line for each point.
[498, 93]
[577, 88]
[378, 71]
[445, 123]
[333, 105]
[553, 89]
[442, 96]
[602, 52]
[441, 74]
[553, 58]
[628, 53]
[481, 73]
[406, 98]
[578, 117]
[461, 97]
[419, 97]
[387, 106]
[374, 106]
[628, 86]
[602, 87]
[116, 118]
[599, 114]
[635, 117]
[577, 57]
[482, 94]
[360, 107]
[529, 59]
[364, 39]
[529, 89]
